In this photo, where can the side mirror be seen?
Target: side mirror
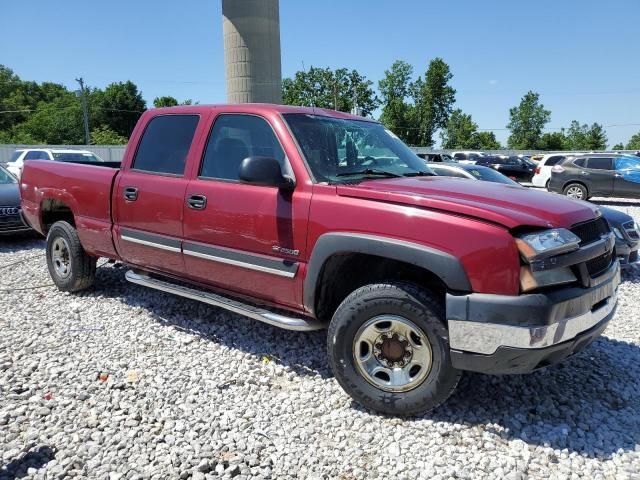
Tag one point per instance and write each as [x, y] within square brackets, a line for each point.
[264, 171]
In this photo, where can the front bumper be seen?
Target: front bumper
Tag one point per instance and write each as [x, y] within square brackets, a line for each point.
[518, 334]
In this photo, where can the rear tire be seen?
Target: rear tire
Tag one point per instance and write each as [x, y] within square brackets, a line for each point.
[70, 268]
[577, 191]
[389, 349]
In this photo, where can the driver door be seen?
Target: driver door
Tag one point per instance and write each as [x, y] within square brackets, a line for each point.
[626, 181]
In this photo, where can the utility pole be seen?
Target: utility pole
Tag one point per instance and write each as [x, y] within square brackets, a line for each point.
[85, 111]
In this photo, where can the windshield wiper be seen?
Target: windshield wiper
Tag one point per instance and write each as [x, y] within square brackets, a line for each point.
[369, 171]
[419, 173]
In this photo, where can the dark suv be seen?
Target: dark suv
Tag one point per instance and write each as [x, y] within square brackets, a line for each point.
[597, 175]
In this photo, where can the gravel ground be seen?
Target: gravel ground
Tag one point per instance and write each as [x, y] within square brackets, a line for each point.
[125, 382]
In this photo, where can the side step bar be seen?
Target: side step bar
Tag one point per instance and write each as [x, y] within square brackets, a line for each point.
[257, 313]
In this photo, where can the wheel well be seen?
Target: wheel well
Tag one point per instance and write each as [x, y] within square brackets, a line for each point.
[343, 273]
[52, 211]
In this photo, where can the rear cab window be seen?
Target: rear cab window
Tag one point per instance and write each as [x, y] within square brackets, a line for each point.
[165, 144]
[16, 155]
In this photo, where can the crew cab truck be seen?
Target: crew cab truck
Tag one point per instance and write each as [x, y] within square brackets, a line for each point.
[306, 218]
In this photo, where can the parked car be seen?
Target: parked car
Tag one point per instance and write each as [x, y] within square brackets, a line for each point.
[474, 172]
[542, 172]
[435, 157]
[11, 220]
[16, 163]
[511, 166]
[467, 156]
[306, 218]
[597, 175]
[624, 227]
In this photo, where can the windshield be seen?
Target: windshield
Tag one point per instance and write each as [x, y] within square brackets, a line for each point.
[339, 150]
[490, 175]
[15, 155]
[76, 157]
[6, 177]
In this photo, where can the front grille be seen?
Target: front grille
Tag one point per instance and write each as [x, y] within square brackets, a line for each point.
[10, 219]
[598, 265]
[591, 230]
[633, 234]
[633, 256]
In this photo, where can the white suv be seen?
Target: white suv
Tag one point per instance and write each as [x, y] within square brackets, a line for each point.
[467, 156]
[16, 163]
[542, 173]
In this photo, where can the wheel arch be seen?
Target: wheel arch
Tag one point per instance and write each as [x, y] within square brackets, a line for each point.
[343, 257]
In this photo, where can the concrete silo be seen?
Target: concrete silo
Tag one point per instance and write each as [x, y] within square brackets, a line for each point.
[251, 30]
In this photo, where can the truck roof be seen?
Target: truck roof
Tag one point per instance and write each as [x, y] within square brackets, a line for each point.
[260, 108]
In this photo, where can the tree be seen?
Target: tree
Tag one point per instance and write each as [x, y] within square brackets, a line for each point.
[552, 141]
[585, 137]
[338, 90]
[634, 142]
[596, 138]
[103, 135]
[164, 102]
[433, 100]
[487, 141]
[394, 90]
[119, 107]
[460, 131]
[618, 146]
[526, 122]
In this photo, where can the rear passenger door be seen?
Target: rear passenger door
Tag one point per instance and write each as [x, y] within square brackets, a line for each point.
[244, 238]
[627, 177]
[598, 175]
[149, 196]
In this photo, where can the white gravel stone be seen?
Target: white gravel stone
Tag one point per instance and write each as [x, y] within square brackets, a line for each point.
[215, 395]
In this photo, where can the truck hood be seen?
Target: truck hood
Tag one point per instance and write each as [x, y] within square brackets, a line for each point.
[510, 206]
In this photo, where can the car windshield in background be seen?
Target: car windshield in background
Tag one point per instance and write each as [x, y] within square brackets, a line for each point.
[341, 150]
[76, 157]
[15, 155]
[490, 175]
[6, 177]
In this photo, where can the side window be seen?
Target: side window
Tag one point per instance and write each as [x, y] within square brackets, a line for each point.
[235, 137]
[165, 144]
[599, 163]
[460, 156]
[551, 161]
[579, 162]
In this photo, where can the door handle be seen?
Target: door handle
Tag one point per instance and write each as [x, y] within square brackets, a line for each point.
[617, 175]
[197, 202]
[131, 193]
[584, 173]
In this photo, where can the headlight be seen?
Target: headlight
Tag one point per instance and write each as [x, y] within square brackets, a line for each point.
[618, 233]
[547, 243]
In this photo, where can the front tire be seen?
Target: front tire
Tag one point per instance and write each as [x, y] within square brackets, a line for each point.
[577, 191]
[70, 268]
[389, 349]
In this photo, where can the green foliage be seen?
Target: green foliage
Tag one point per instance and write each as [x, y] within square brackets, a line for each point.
[461, 132]
[119, 107]
[634, 142]
[159, 102]
[487, 141]
[433, 100]
[526, 122]
[103, 135]
[618, 146]
[394, 90]
[585, 137]
[552, 141]
[325, 88]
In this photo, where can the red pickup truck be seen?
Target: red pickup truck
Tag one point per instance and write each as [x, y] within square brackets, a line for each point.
[306, 218]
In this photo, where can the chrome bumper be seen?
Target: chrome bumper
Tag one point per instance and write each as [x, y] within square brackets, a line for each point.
[486, 338]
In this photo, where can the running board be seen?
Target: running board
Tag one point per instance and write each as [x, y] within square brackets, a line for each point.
[257, 313]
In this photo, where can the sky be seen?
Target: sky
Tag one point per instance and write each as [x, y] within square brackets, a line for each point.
[582, 56]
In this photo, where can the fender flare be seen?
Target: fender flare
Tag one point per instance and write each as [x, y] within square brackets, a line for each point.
[447, 267]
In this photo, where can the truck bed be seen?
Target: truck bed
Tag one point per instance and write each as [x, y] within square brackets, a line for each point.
[84, 189]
